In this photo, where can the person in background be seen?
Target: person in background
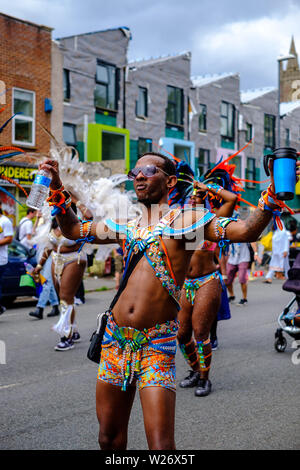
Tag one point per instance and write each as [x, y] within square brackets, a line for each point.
[26, 228]
[6, 237]
[238, 262]
[280, 251]
[84, 214]
[48, 293]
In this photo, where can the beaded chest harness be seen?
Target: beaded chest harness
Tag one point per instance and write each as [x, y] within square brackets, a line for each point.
[148, 240]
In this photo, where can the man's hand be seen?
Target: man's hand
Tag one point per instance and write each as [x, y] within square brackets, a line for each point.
[37, 270]
[52, 166]
[199, 191]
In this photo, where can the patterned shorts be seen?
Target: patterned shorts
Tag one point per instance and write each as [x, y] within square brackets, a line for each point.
[152, 365]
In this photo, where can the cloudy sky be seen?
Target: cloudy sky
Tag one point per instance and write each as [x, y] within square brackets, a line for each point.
[223, 35]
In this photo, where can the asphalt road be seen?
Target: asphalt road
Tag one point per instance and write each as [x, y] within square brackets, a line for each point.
[47, 398]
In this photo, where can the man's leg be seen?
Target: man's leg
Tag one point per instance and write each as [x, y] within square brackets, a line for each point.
[231, 272]
[187, 343]
[243, 280]
[207, 304]
[113, 411]
[158, 406]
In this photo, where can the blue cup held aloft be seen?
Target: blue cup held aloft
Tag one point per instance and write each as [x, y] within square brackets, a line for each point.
[284, 171]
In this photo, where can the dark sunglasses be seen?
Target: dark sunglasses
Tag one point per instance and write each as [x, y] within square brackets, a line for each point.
[147, 171]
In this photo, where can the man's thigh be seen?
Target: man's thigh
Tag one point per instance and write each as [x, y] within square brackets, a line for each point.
[243, 272]
[231, 270]
[113, 407]
[158, 406]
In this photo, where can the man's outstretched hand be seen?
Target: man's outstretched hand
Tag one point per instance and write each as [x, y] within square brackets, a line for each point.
[52, 166]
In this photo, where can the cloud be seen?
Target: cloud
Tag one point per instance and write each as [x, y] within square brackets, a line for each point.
[237, 36]
[249, 47]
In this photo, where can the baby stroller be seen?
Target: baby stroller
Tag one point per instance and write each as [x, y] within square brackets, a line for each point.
[285, 319]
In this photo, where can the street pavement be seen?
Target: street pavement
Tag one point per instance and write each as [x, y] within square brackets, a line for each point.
[47, 398]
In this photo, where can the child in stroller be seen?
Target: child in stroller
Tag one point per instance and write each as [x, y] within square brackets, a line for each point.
[289, 319]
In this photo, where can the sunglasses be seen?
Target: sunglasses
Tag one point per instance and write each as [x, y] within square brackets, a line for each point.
[147, 171]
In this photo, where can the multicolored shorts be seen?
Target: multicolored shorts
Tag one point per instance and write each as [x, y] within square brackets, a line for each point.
[147, 356]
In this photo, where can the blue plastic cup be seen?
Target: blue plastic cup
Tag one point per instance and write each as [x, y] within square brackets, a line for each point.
[284, 171]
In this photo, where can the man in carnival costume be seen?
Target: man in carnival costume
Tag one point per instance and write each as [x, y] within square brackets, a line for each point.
[139, 342]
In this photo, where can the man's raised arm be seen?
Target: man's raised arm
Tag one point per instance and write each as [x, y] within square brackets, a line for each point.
[248, 230]
[68, 222]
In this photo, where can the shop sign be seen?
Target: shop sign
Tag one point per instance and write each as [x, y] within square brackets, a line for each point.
[23, 175]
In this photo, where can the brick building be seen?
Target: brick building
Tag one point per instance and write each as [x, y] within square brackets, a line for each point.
[25, 75]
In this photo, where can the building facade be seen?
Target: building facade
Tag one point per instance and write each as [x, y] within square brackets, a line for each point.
[25, 91]
[94, 68]
[157, 103]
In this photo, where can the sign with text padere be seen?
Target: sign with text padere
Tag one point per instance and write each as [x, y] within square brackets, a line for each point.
[24, 175]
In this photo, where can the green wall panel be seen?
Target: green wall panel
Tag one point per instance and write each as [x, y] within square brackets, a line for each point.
[94, 152]
[80, 150]
[174, 133]
[227, 145]
[105, 119]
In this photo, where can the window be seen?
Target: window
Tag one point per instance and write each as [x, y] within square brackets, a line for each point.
[105, 95]
[142, 103]
[204, 161]
[69, 134]
[175, 106]
[183, 152]
[227, 120]
[249, 132]
[144, 145]
[113, 146]
[202, 118]
[238, 165]
[287, 138]
[66, 85]
[24, 124]
[250, 172]
[269, 131]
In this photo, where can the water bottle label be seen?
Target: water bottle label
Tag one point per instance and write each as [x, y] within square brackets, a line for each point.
[40, 179]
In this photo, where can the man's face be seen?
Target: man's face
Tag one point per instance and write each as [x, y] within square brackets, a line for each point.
[31, 215]
[154, 189]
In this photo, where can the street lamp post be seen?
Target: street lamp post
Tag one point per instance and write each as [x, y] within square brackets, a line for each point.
[279, 60]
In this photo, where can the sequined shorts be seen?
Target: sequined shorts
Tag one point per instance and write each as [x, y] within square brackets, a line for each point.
[147, 356]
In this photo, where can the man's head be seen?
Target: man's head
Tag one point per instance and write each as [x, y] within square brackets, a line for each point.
[31, 213]
[154, 189]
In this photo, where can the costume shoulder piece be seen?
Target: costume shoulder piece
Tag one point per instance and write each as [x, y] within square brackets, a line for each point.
[116, 227]
[192, 219]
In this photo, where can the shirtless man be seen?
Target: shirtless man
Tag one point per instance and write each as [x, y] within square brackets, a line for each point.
[140, 339]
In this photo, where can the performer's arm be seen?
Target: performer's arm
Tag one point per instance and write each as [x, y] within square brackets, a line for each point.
[6, 240]
[42, 261]
[68, 222]
[247, 230]
[229, 199]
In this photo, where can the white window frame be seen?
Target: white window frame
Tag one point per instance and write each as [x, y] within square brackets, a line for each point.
[24, 118]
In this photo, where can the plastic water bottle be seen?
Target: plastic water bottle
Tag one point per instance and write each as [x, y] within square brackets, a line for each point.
[39, 190]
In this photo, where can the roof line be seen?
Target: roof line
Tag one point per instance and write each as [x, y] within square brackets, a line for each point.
[94, 32]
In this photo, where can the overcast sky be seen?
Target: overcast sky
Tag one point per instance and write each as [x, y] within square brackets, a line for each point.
[223, 35]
